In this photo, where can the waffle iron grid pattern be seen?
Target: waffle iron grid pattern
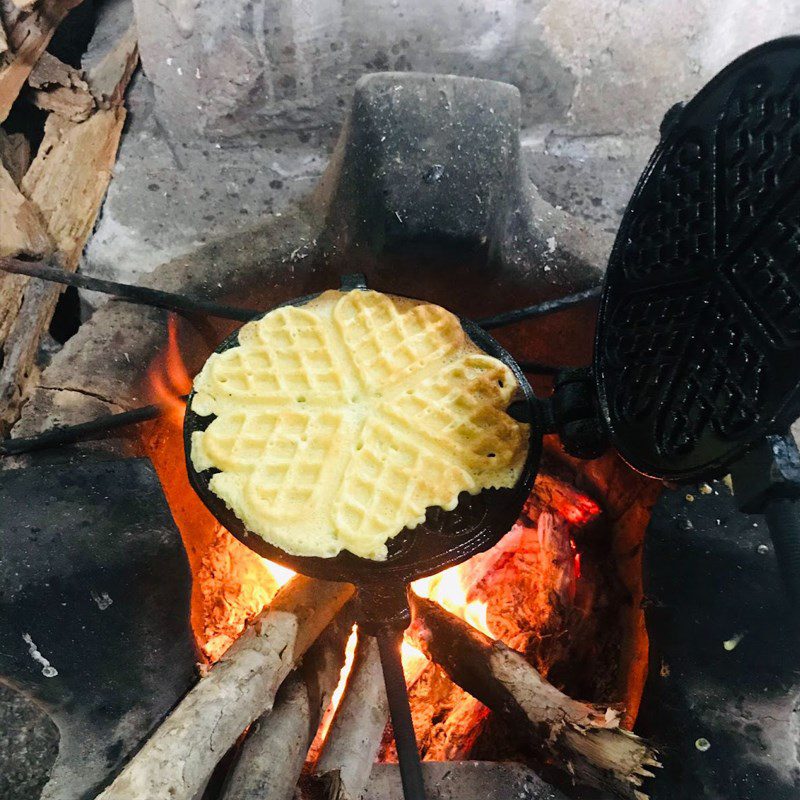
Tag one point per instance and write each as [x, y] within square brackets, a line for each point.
[697, 347]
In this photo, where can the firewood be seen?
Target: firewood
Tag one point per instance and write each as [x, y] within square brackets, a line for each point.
[15, 154]
[28, 33]
[240, 687]
[22, 229]
[66, 183]
[354, 737]
[581, 739]
[275, 749]
[57, 87]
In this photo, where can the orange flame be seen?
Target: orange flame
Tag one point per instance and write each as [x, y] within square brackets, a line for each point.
[168, 378]
[338, 693]
[450, 590]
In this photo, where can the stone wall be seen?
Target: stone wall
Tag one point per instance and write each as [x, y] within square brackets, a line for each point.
[230, 67]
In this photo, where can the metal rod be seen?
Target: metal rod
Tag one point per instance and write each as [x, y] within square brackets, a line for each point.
[539, 310]
[134, 294]
[69, 434]
[389, 643]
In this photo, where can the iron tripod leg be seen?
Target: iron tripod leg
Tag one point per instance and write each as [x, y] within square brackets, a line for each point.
[389, 643]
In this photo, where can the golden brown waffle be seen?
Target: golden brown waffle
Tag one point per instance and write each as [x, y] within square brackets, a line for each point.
[339, 423]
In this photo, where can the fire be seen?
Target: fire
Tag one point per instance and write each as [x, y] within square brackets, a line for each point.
[450, 590]
[231, 584]
[338, 693]
[168, 377]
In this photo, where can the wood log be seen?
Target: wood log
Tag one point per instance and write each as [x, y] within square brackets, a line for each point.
[15, 154]
[22, 230]
[275, 749]
[174, 763]
[583, 740]
[57, 87]
[67, 183]
[28, 33]
[354, 738]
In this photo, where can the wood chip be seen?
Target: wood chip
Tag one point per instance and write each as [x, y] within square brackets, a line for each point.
[15, 154]
[28, 35]
[58, 87]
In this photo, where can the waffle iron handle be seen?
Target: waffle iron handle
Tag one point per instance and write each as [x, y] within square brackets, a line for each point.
[384, 613]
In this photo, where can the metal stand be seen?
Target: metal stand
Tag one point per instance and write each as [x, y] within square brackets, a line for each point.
[389, 642]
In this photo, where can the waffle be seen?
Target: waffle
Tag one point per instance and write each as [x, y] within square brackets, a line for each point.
[339, 423]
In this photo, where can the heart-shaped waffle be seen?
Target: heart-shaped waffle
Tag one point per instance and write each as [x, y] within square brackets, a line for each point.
[339, 423]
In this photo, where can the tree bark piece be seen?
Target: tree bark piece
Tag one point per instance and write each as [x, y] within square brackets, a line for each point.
[15, 154]
[181, 754]
[581, 739]
[28, 33]
[57, 87]
[354, 738]
[274, 752]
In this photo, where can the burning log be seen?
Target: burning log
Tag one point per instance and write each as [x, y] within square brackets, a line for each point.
[274, 752]
[237, 690]
[345, 764]
[583, 739]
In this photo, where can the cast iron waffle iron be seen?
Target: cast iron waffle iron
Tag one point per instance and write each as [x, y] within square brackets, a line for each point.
[443, 539]
[697, 344]
[697, 355]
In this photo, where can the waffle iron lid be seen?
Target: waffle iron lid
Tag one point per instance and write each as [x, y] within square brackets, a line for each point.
[697, 354]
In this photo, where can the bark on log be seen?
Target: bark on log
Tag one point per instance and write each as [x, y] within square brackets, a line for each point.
[581, 739]
[15, 154]
[182, 753]
[57, 87]
[353, 740]
[28, 33]
[275, 749]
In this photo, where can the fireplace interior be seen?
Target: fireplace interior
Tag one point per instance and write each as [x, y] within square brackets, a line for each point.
[628, 637]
